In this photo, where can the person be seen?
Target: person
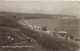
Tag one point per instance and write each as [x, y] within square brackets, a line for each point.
[66, 37]
[54, 34]
[71, 37]
[29, 39]
[44, 28]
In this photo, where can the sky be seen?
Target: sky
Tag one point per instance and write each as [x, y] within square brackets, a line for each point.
[43, 7]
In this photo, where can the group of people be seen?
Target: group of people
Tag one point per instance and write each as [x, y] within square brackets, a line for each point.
[34, 27]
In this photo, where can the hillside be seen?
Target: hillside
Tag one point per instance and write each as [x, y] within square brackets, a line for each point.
[11, 36]
[44, 42]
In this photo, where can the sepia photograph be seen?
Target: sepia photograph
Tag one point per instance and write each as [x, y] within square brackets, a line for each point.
[39, 25]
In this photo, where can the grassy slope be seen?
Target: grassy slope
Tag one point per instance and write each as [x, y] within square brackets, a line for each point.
[49, 42]
[9, 27]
